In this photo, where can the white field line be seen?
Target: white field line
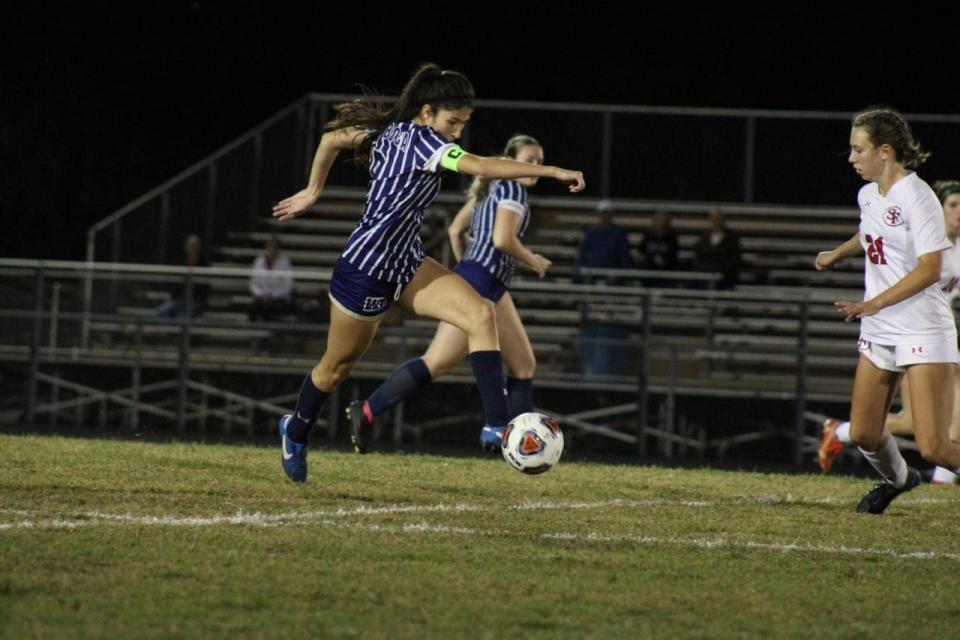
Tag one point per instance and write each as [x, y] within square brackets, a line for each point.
[324, 519]
[81, 519]
[721, 543]
[265, 519]
[787, 498]
[701, 543]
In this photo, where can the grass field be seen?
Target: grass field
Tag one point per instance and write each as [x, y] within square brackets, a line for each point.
[108, 538]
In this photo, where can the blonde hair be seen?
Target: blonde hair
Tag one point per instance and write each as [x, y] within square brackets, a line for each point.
[481, 186]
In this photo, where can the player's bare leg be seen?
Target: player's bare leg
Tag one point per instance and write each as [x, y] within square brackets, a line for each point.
[873, 392]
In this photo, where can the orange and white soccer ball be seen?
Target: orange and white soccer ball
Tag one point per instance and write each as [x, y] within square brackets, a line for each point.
[532, 443]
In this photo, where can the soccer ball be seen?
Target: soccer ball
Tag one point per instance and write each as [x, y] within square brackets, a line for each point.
[532, 443]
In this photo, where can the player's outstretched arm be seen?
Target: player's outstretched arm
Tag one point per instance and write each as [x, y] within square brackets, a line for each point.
[507, 169]
[330, 145]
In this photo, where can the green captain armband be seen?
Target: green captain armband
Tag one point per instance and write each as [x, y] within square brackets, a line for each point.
[451, 158]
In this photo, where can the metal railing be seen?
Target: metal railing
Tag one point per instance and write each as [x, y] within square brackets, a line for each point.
[636, 307]
[274, 158]
[628, 153]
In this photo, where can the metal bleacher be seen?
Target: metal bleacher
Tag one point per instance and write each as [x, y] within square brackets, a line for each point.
[765, 340]
[85, 343]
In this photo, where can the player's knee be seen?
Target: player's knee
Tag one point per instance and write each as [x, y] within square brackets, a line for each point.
[437, 365]
[327, 376]
[524, 369]
[481, 318]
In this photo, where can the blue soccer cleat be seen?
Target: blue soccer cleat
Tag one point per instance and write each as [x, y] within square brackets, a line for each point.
[293, 454]
[491, 438]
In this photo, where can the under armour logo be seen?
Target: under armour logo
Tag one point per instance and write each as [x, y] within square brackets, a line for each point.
[916, 350]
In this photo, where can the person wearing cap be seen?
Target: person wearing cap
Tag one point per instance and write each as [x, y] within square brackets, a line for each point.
[604, 246]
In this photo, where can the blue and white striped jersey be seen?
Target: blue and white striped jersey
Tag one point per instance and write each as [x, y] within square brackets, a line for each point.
[509, 195]
[404, 180]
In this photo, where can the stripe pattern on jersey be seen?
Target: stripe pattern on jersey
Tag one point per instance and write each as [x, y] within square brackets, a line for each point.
[404, 180]
[509, 195]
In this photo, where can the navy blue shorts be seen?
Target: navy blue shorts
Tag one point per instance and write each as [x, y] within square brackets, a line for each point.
[482, 281]
[360, 295]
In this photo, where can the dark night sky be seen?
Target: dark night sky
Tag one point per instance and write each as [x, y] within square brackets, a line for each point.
[97, 106]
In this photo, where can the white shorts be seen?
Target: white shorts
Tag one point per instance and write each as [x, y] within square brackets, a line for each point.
[896, 357]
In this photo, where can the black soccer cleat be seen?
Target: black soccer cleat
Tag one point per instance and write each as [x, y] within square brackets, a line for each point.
[879, 498]
[358, 426]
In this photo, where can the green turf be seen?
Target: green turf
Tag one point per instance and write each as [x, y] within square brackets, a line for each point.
[102, 538]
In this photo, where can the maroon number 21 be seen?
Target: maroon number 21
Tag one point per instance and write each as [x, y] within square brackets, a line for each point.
[875, 250]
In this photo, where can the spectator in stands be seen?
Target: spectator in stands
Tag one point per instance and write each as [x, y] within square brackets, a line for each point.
[271, 283]
[658, 249]
[605, 246]
[718, 251]
[177, 304]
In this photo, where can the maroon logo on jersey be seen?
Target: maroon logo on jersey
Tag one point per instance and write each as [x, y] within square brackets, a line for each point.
[917, 350]
[893, 216]
[875, 249]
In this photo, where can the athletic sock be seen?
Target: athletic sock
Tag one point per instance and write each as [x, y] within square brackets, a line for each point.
[842, 433]
[309, 405]
[888, 461]
[520, 395]
[488, 370]
[944, 476]
[401, 383]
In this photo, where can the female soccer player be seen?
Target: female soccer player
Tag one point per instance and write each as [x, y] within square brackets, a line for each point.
[496, 226]
[907, 326]
[406, 148]
[836, 434]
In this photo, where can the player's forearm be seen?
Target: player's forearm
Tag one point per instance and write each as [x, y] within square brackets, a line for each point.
[851, 247]
[515, 249]
[456, 245]
[505, 168]
[327, 152]
[924, 275]
[459, 226]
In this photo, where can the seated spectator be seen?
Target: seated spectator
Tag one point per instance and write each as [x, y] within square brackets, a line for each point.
[271, 284]
[177, 304]
[718, 251]
[659, 247]
[604, 246]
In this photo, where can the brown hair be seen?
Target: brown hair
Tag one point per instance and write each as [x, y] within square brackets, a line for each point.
[885, 125]
[946, 188]
[429, 84]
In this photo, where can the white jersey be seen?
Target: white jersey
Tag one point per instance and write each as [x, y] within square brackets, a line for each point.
[895, 230]
[950, 272]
